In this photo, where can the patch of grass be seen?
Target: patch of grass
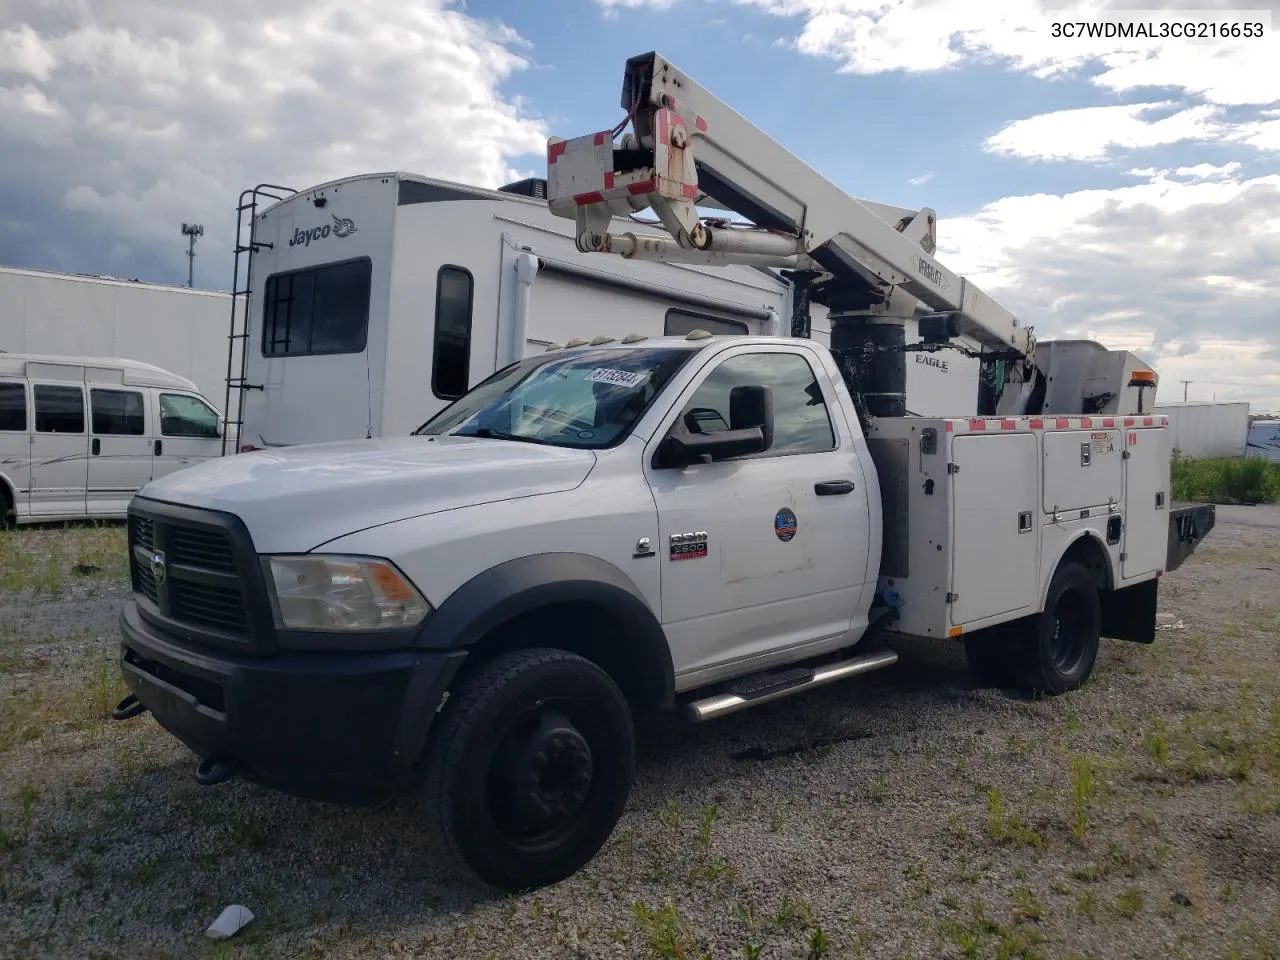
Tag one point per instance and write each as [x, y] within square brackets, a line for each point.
[1006, 827]
[668, 935]
[1082, 794]
[1225, 479]
[45, 560]
[1128, 902]
[982, 937]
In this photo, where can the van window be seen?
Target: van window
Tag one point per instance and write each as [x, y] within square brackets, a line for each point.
[451, 357]
[59, 409]
[13, 406]
[319, 310]
[186, 416]
[117, 412]
[680, 322]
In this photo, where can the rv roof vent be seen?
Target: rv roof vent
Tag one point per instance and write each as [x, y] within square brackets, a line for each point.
[576, 342]
[634, 338]
[596, 341]
[697, 335]
[535, 187]
[553, 346]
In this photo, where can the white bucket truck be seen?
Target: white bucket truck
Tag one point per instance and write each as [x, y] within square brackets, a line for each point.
[642, 523]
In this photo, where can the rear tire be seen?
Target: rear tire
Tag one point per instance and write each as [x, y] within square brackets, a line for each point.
[530, 767]
[8, 513]
[1061, 648]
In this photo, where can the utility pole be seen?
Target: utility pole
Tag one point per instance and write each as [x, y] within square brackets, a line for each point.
[1184, 389]
[191, 231]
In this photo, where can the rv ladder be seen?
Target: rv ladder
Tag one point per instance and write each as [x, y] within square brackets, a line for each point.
[249, 200]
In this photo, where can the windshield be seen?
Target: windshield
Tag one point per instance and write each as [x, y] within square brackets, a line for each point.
[590, 399]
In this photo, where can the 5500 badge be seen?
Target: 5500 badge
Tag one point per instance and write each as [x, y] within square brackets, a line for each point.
[342, 227]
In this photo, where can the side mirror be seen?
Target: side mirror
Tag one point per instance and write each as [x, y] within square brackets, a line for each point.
[682, 450]
[750, 431]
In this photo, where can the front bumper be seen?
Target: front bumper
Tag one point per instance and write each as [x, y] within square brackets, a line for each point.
[328, 726]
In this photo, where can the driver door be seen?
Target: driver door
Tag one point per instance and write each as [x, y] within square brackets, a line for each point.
[188, 432]
[755, 559]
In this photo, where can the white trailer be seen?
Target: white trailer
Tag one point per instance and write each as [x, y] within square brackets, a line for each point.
[1199, 430]
[377, 300]
[178, 329]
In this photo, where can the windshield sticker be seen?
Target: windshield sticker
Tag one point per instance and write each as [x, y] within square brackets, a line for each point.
[622, 378]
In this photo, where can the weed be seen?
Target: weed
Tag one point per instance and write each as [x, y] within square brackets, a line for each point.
[27, 796]
[709, 817]
[1082, 791]
[1088, 904]
[1003, 827]
[879, 791]
[1156, 743]
[666, 932]
[792, 914]
[1025, 905]
[1128, 902]
[819, 944]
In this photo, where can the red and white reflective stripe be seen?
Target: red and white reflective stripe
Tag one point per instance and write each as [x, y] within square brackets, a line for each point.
[1026, 424]
[698, 120]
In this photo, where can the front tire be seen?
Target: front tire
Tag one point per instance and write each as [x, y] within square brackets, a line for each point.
[1061, 647]
[530, 768]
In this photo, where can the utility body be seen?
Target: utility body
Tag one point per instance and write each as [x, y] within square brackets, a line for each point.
[623, 525]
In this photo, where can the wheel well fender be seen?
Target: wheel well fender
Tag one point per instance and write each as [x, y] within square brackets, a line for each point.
[571, 601]
[1088, 550]
[8, 497]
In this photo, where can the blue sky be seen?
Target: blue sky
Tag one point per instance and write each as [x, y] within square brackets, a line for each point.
[1127, 191]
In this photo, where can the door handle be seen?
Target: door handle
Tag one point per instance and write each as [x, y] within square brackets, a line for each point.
[158, 448]
[96, 446]
[833, 488]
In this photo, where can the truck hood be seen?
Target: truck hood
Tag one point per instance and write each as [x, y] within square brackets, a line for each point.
[296, 498]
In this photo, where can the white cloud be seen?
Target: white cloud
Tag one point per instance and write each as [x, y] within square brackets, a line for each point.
[921, 180]
[1093, 133]
[1186, 273]
[131, 116]
[918, 36]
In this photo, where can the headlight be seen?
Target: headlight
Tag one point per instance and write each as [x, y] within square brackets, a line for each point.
[315, 592]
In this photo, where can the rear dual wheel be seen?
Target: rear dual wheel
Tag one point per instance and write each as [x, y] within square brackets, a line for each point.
[530, 768]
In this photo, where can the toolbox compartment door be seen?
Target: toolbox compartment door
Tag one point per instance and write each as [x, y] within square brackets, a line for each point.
[995, 526]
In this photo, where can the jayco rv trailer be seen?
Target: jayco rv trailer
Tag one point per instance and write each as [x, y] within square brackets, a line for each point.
[376, 300]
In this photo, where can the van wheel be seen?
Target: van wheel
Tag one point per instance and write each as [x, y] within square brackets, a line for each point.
[8, 515]
[993, 656]
[530, 768]
[1061, 648]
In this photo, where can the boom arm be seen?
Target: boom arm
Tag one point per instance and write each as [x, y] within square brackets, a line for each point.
[690, 149]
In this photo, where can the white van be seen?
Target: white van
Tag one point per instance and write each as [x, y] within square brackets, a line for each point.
[80, 435]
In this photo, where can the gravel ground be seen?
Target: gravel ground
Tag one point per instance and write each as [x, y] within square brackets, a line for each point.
[904, 814]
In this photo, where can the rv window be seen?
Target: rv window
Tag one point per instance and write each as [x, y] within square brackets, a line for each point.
[319, 310]
[680, 322]
[13, 406]
[59, 409]
[451, 357]
[184, 416]
[117, 412]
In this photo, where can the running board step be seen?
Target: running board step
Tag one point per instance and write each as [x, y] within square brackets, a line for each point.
[764, 687]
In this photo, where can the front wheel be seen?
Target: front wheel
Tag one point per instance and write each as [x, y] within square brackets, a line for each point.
[1061, 647]
[531, 767]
